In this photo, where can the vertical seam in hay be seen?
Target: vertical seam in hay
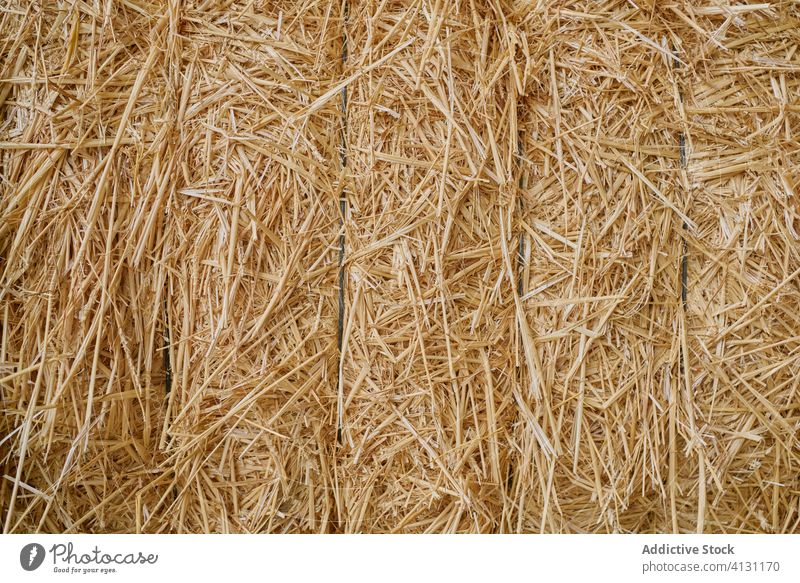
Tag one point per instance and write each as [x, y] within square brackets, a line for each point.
[684, 270]
[521, 207]
[682, 164]
[342, 214]
[520, 260]
[684, 262]
[683, 345]
[167, 342]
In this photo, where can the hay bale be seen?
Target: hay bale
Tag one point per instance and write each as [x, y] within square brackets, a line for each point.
[399, 267]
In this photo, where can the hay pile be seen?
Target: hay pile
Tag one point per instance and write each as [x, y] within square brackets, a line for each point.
[399, 266]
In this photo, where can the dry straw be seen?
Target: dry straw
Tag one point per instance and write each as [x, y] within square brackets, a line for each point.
[399, 266]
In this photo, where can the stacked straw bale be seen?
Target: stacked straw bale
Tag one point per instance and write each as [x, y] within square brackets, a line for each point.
[399, 266]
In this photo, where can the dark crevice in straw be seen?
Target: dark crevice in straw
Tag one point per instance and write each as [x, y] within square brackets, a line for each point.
[520, 257]
[682, 161]
[167, 342]
[342, 214]
[521, 205]
[676, 64]
[684, 263]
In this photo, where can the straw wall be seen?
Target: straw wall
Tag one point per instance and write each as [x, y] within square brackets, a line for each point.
[399, 266]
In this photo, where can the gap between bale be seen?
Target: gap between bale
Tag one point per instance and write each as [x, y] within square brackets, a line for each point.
[401, 266]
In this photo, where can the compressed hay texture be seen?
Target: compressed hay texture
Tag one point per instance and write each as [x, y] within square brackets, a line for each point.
[399, 266]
